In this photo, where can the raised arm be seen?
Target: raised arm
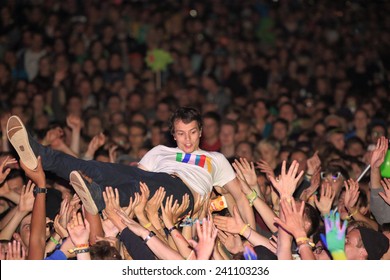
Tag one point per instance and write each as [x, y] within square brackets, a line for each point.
[246, 173]
[234, 188]
[38, 220]
[379, 208]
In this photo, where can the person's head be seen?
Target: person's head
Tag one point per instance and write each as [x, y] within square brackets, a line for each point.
[15, 180]
[301, 157]
[280, 129]
[355, 147]
[364, 243]
[335, 175]
[245, 149]
[103, 250]
[22, 232]
[227, 132]
[361, 119]
[186, 127]
[268, 150]
[137, 134]
[335, 136]
[375, 131]
[211, 125]
[287, 112]
[93, 126]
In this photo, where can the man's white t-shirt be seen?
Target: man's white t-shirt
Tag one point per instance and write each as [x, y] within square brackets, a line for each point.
[200, 170]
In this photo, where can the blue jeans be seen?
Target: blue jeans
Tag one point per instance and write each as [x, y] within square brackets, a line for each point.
[125, 178]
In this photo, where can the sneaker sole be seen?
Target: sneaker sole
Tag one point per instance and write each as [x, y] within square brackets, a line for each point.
[17, 136]
[82, 191]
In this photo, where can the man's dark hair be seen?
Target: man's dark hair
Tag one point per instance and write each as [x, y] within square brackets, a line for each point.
[186, 115]
[313, 216]
[102, 250]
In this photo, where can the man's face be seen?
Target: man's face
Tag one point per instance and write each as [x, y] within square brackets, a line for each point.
[354, 248]
[187, 136]
[337, 139]
[210, 128]
[226, 135]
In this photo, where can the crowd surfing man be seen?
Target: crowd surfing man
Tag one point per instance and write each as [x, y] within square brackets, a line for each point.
[185, 169]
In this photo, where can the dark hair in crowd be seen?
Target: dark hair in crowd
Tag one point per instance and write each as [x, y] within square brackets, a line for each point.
[187, 115]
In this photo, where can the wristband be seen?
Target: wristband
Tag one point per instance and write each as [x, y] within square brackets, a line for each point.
[244, 229]
[52, 239]
[171, 229]
[150, 235]
[304, 240]
[80, 251]
[351, 215]
[251, 197]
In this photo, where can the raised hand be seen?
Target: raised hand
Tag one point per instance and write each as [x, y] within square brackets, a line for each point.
[232, 242]
[129, 210]
[130, 223]
[78, 229]
[4, 169]
[140, 208]
[27, 198]
[246, 172]
[74, 122]
[180, 210]
[74, 205]
[15, 251]
[62, 219]
[111, 199]
[113, 153]
[293, 222]
[386, 190]
[96, 142]
[109, 228]
[335, 235]
[167, 211]
[313, 164]
[351, 194]
[326, 199]
[264, 167]
[286, 182]
[232, 224]
[379, 153]
[154, 203]
[206, 239]
[314, 184]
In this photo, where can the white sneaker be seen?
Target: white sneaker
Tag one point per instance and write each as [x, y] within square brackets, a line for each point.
[18, 137]
[81, 188]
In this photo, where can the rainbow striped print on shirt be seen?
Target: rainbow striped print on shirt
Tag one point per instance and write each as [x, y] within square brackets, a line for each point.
[198, 160]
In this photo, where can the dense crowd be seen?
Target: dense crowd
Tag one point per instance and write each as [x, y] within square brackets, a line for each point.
[294, 94]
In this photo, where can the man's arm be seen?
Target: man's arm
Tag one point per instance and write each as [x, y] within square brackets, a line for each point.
[233, 187]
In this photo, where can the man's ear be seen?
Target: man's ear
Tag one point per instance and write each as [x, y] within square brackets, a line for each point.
[363, 255]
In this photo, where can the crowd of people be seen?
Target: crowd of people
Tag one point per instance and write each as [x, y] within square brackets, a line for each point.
[255, 137]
